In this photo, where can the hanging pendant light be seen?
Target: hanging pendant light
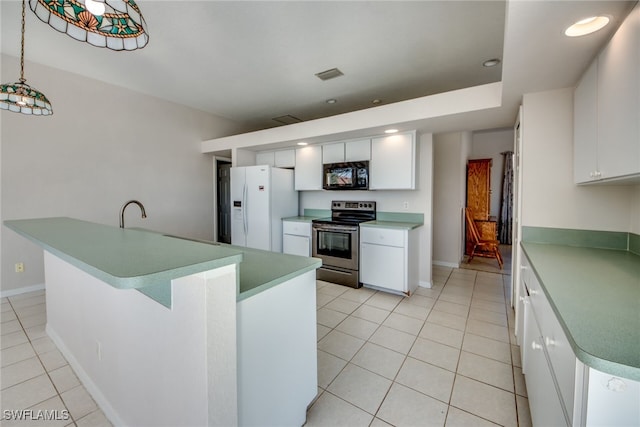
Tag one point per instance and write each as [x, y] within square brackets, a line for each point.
[114, 24]
[19, 97]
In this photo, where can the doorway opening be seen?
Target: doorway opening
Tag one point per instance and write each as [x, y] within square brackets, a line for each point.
[223, 201]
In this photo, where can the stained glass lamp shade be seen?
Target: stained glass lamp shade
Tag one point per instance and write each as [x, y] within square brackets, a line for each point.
[114, 24]
[19, 97]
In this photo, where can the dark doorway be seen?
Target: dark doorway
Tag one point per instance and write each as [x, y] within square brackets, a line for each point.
[224, 201]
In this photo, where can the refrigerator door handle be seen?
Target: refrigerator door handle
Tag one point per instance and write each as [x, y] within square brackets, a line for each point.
[244, 204]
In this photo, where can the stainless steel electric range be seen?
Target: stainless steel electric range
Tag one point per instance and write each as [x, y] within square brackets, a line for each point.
[336, 241]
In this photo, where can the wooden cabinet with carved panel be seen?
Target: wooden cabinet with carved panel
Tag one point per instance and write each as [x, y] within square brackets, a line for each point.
[479, 199]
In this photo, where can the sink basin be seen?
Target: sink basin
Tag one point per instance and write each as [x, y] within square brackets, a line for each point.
[206, 242]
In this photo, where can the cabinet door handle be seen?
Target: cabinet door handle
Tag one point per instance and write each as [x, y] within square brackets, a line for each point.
[533, 292]
[535, 346]
[549, 342]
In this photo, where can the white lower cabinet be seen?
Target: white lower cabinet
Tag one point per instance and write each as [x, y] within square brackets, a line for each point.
[550, 381]
[563, 391]
[296, 238]
[544, 404]
[388, 259]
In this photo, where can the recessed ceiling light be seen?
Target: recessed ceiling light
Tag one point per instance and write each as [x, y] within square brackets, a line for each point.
[491, 62]
[332, 101]
[391, 131]
[303, 143]
[587, 26]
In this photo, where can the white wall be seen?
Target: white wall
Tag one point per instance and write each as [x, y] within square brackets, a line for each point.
[489, 145]
[420, 201]
[550, 198]
[450, 153]
[103, 146]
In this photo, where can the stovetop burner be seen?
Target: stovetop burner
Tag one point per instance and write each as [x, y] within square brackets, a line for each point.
[349, 213]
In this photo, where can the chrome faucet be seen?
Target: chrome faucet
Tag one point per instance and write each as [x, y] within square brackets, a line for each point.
[144, 214]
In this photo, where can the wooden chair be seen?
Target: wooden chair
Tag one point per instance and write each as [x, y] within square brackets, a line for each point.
[483, 248]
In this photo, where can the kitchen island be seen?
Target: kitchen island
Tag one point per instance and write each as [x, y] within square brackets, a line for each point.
[170, 331]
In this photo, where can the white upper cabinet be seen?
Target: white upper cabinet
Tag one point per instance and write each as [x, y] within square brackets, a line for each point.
[607, 110]
[585, 127]
[393, 162]
[265, 158]
[619, 101]
[350, 151]
[357, 151]
[333, 153]
[308, 170]
[278, 159]
[285, 158]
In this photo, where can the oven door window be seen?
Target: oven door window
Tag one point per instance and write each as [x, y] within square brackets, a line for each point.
[334, 244]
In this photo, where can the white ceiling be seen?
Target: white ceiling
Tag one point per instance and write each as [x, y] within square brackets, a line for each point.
[252, 61]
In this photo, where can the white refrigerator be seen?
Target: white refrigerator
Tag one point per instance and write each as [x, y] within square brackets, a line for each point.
[260, 197]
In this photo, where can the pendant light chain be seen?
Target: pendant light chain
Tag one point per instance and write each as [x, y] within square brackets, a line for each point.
[22, 79]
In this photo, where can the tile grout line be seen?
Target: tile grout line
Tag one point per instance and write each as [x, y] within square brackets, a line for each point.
[58, 394]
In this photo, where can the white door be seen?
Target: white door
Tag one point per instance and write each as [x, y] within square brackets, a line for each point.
[238, 193]
[517, 208]
[257, 208]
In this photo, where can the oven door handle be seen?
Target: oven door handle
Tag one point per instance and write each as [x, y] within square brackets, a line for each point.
[327, 227]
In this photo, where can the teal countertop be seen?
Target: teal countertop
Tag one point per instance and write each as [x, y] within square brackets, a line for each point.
[301, 218]
[595, 293]
[148, 261]
[398, 225]
[261, 270]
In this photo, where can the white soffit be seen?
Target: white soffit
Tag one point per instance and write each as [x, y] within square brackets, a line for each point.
[370, 121]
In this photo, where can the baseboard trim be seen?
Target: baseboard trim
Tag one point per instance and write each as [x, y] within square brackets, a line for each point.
[23, 290]
[446, 264]
[424, 284]
[84, 378]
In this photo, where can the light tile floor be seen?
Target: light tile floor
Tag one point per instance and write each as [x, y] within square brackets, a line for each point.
[444, 356]
[34, 375]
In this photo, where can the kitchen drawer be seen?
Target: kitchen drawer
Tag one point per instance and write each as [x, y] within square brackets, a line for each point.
[297, 228]
[382, 236]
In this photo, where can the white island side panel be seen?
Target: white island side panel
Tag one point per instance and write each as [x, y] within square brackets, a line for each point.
[143, 363]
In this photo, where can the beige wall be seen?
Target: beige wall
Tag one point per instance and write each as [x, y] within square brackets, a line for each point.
[550, 198]
[103, 146]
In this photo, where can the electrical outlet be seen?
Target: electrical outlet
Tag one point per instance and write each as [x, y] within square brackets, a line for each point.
[19, 267]
[405, 206]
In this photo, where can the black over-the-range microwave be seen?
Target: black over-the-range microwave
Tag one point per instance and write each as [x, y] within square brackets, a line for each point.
[346, 176]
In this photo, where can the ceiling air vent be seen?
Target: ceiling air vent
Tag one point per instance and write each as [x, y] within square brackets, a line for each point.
[287, 119]
[329, 74]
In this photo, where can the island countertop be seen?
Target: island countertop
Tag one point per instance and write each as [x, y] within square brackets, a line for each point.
[142, 259]
[595, 294]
